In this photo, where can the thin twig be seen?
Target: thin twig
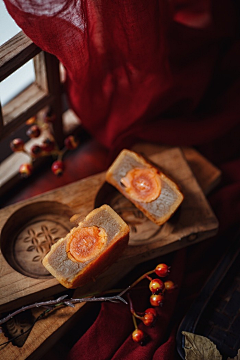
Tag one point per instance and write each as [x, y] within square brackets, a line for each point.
[63, 301]
[70, 302]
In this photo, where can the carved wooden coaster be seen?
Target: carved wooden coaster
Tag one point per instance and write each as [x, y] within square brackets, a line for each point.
[34, 241]
[30, 232]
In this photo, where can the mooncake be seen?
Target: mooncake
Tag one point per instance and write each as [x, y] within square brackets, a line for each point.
[89, 248]
[145, 185]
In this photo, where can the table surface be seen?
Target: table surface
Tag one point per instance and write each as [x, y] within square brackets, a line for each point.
[187, 167]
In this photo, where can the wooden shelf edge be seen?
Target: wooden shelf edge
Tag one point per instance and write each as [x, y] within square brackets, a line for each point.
[15, 53]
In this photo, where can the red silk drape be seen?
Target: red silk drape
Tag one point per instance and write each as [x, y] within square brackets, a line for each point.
[160, 71]
[143, 70]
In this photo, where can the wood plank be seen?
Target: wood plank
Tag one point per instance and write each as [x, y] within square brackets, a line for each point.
[15, 53]
[1, 119]
[9, 174]
[206, 173]
[54, 88]
[18, 108]
[24, 106]
[40, 71]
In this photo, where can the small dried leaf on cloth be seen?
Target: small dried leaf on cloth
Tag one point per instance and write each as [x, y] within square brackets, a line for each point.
[237, 357]
[198, 347]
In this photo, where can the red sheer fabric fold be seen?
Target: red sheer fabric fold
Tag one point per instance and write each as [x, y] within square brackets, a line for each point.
[150, 70]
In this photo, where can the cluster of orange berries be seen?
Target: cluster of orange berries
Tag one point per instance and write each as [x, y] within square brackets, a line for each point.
[48, 146]
[158, 289]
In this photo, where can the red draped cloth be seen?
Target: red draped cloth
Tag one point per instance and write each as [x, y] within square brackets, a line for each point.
[161, 71]
[140, 69]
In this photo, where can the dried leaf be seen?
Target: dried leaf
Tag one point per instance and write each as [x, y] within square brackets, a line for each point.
[198, 347]
[235, 357]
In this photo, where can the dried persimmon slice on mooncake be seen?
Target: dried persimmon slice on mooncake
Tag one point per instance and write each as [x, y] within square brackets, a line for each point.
[146, 186]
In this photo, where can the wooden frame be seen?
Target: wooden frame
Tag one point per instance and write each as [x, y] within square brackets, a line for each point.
[45, 91]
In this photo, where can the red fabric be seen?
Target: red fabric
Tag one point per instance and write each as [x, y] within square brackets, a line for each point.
[149, 70]
[161, 71]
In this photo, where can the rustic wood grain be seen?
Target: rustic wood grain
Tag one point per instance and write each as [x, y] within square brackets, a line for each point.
[195, 222]
[54, 88]
[47, 92]
[27, 104]
[206, 173]
[16, 52]
[40, 71]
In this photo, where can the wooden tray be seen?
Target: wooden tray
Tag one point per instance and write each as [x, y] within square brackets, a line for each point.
[29, 227]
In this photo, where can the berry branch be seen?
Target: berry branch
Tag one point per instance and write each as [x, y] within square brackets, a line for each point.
[157, 287]
[48, 147]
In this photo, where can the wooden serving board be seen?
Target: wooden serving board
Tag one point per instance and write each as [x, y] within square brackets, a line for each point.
[29, 227]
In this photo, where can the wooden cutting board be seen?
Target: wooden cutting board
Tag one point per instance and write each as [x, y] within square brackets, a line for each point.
[28, 228]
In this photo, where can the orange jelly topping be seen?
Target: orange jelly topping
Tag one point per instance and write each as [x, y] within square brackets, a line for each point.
[142, 184]
[86, 243]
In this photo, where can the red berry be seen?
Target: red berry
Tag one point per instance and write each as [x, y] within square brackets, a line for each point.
[71, 143]
[17, 145]
[31, 121]
[36, 150]
[50, 117]
[150, 316]
[151, 311]
[25, 170]
[57, 167]
[156, 285]
[162, 270]
[137, 335]
[34, 131]
[156, 299]
[148, 319]
[48, 145]
[169, 285]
